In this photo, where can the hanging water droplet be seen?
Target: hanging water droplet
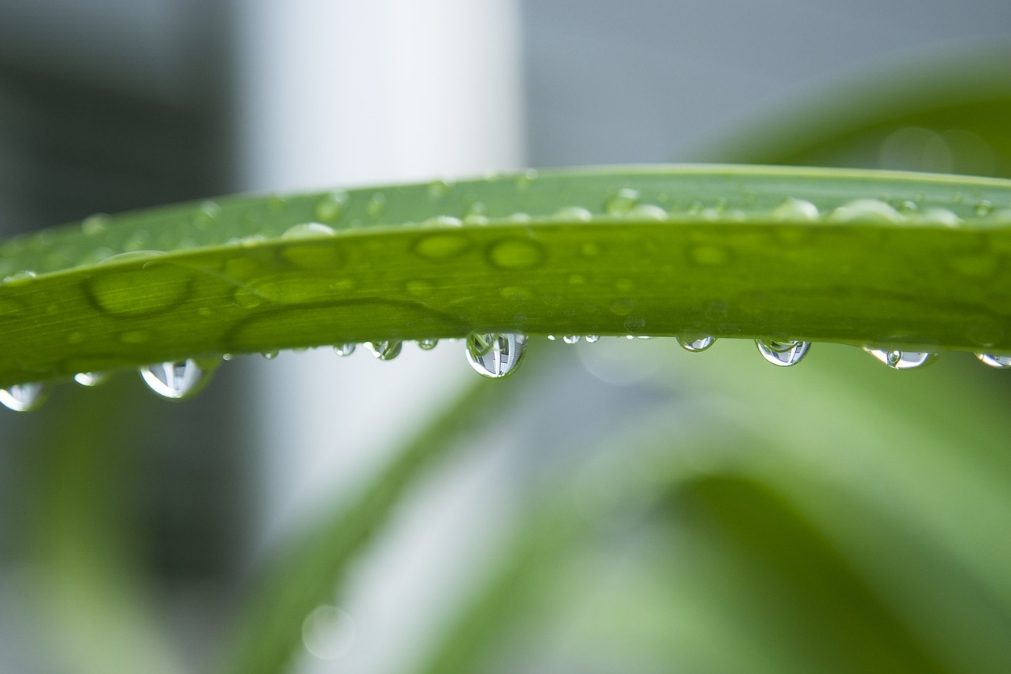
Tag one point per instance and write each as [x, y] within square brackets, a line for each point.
[91, 378]
[177, 380]
[994, 360]
[570, 339]
[551, 338]
[24, 397]
[695, 343]
[345, 349]
[427, 344]
[270, 355]
[901, 360]
[495, 355]
[385, 350]
[591, 339]
[782, 353]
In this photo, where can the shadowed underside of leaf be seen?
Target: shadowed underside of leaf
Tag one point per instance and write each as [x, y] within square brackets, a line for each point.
[858, 257]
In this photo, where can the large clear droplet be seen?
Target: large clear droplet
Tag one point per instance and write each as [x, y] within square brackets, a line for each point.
[428, 344]
[901, 360]
[495, 355]
[994, 360]
[345, 349]
[695, 343]
[385, 350]
[782, 353]
[177, 380]
[24, 397]
[91, 378]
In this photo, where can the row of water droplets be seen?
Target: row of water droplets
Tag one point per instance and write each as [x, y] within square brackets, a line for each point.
[492, 355]
[213, 223]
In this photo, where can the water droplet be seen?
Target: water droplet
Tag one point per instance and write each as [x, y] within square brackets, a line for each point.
[901, 360]
[270, 355]
[782, 353]
[515, 254]
[438, 189]
[330, 207]
[495, 355]
[91, 378]
[937, 216]
[622, 202]
[139, 292]
[345, 349]
[551, 338]
[983, 208]
[95, 224]
[308, 230]
[206, 214]
[20, 277]
[573, 213]
[177, 380]
[795, 210]
[441, 246]
[570, 339]
[695, 343]
[442, 221]
[866, 210]
[994, 360]
[376, 205]
[591, 339]
[526, 179]
[328, 633]
[385, 350]
[647, 212]
[427, 344]
[24, 397]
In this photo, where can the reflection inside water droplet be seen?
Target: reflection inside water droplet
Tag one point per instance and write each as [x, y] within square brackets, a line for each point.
[345, 349]
[695, 343]
[495, 355]
[995, 361]
[385, 350]
[91, 378]
[901, 360]
[782, 353]
[428, 344]
[177, 380]
[24, 397]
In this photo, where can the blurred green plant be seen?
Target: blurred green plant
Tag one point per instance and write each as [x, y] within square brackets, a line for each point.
[835, 518]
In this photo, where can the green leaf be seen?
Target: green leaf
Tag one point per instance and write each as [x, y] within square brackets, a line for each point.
[823, 255]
